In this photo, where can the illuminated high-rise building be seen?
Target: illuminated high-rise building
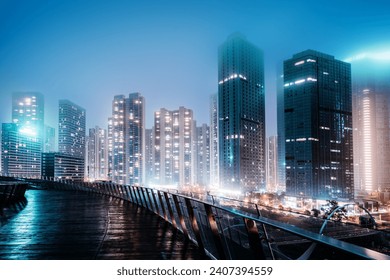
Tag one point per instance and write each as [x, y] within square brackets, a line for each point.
[127, 139]
[272, 164]
[71, 129]
[318, 126]
[21, 151]
[22, 140]
[28, 112]
[281, 171]
[371, 97]
[149, 155]
[135, 139]
[214, 162]
[241, 111]
[202, 148]
[49, 140]
[174, 155]
[97, 151]
[72, 134]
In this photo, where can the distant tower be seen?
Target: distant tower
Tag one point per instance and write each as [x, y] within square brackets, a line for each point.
[214, 162]
[49, 140]
[272, 164]
[149, 156]
[241, 115]
[97, 154]
[202, 169]
[281, 138]
[318, 126]
[371, 97]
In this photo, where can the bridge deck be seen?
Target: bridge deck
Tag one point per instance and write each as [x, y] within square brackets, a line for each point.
[75, 225]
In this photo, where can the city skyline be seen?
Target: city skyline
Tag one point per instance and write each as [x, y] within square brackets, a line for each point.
[167, 52]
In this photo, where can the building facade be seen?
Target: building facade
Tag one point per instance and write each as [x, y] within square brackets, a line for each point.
[149, 155]
[241, 111]
[49, 139]
[97, 150]
[318, 126]
[71, 129]
[203, 155]
[371, 97]
[63, 167]
[281, 185]
[272, 164]
[21, 151]
[22, 140]
[174, 155]
[72, 132]
[214, 162]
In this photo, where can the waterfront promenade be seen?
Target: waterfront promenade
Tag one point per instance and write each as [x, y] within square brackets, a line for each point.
[62, 225]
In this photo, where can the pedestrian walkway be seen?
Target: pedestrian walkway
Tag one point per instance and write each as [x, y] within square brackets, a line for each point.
[82, 226]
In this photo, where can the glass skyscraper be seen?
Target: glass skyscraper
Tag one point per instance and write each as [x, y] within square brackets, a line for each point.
[71, 129]
[22, 140]
[318, 126]
[241, 115]
[21, 151]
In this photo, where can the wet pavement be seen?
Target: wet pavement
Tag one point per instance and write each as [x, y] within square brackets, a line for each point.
[70, 225]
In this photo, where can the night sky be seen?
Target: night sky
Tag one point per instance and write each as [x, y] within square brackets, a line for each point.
[89, 51]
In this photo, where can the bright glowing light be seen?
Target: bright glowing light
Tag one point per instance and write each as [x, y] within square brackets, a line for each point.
[28, 130]
[299, 81]
[379, 56]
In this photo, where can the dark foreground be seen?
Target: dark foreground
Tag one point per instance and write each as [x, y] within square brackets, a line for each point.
[64, 225]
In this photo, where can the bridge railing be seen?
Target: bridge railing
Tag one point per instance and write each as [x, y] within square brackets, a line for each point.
[226, 233]
[11, 191]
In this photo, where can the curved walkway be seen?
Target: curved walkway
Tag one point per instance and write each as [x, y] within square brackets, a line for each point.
[83, 226]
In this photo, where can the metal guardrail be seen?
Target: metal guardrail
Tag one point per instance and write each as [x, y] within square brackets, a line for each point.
[224, 233]
[11, 191]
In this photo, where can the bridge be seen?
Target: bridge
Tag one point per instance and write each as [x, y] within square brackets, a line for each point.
[69, 220]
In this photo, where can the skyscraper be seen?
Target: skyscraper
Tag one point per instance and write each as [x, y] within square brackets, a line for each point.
[149, 155]
[71, 140]
[49, 140]
[127, 139]
[22, 140]
[174, 154]
[281, 176]
[21, 151]
[214, 119]
[71, 129]
[272, 164]
[28, 111]
[318, 126]
[202, 148]
[97, 164]
[135, 139]
[241, 115]
[371, 97]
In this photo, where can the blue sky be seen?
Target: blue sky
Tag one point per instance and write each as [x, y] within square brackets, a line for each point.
[89, 51]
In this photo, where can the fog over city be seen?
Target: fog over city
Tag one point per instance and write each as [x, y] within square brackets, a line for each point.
[89, 52]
